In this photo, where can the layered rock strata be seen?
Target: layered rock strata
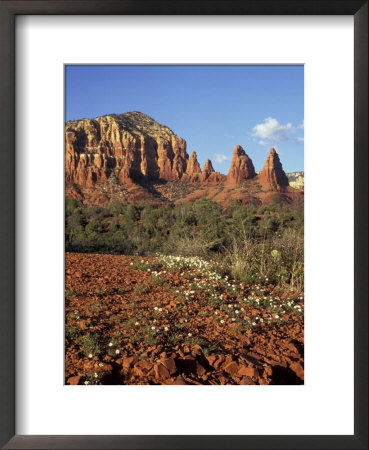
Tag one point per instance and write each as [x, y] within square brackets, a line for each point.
[273, 173]
[132, 146]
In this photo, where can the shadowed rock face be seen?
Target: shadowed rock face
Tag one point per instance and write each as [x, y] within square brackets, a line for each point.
[132, 146]
[241, 168]
[273, 172]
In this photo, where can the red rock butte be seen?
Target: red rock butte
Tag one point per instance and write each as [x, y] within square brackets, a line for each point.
[132, 146]
[135, 151]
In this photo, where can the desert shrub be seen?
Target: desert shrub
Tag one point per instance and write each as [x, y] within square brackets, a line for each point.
[263, 245]
[72, 332]
[192, 245]
[115, 209]
[90, 345]
[71, 205]
[206, 211]
[279, 260]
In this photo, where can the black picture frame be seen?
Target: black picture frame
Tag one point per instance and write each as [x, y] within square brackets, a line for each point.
[8, 12]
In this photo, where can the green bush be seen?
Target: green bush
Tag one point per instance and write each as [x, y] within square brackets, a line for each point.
[90, 345]
[251, 245]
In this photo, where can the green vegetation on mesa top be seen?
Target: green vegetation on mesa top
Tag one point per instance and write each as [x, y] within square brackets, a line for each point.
[251, 244]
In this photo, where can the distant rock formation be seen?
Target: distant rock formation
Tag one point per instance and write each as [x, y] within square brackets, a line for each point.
[132, 146]
[193, 170]
[296, 180]
[209, 176]
[241, 168]
[208, 169]
[272, 172]
[132, 157]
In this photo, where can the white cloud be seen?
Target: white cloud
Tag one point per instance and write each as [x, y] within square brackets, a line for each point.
[220, 158]
[271, 131]
[300, 139]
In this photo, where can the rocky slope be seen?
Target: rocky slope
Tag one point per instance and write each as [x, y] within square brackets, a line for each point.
[172, 322]
[131, 157]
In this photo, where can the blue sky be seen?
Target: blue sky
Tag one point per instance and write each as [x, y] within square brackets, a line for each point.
[213, 108]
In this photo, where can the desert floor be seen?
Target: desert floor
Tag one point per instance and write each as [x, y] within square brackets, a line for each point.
[175, 320]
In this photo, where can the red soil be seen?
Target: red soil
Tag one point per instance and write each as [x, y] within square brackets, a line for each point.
[126, 323]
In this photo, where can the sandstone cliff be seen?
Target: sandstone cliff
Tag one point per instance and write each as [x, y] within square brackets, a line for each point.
[132, 146]
[131, 158]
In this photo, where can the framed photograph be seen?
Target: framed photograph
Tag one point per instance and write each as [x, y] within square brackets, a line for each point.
[184, 224]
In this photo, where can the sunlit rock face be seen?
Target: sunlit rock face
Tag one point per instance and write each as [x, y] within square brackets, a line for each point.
[273, 172]
[242, 168]
[132, 146]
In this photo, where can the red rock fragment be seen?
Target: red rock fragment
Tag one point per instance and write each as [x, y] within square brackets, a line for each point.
[170, 364]
[246, 381]
[129, 361]
[141, 368]
[298, 369]
[217, 364]
[161, 371]
[74, 380]
[247, 371]
[175, 381]
[231, 368]
[211, 359]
